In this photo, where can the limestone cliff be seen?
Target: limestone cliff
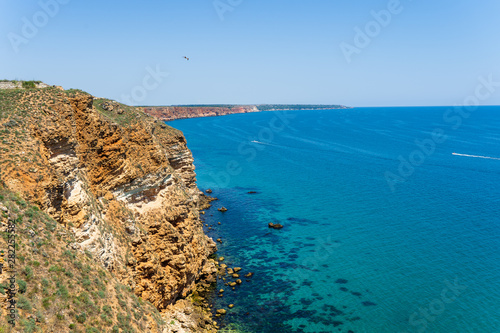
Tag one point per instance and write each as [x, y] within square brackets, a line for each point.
[181, 112]
[167, 113]
[118, 180]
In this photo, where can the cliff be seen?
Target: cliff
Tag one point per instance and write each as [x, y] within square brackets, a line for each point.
[120, 186]
[166, 113]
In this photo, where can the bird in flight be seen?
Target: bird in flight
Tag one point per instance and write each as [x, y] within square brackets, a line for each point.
[186, 58]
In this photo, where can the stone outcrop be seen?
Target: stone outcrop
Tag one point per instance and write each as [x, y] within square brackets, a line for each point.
[19, 84]
[122, 182]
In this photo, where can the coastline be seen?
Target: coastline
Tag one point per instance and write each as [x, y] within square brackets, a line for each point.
[169, 113]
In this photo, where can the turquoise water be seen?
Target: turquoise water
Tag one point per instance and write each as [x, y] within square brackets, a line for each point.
[365, 247]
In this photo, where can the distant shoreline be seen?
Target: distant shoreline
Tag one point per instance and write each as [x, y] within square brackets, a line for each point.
[167, 113]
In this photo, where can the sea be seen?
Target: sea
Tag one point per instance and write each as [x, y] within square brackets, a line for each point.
[391, 218]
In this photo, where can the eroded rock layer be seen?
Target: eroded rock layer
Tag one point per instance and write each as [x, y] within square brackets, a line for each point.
[121, 181]
[180, 112]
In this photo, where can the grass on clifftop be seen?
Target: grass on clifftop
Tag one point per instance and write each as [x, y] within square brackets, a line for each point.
[129, 114]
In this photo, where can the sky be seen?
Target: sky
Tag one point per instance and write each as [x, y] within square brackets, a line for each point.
[355, 53]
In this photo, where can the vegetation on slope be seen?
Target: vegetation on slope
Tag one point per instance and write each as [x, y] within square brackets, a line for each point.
[60, 289]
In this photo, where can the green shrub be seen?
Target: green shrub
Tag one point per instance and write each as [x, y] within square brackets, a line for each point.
[84, 298]
[106, 309]
[106, 319]
[69, 254]
[24, 303]
[81, 317]
[62, 291]
[28, 84]
[123, 321]
[86, 283]
[39, 316]
[56, 269]
[46, 302]
[28, 271]
[22, 286]
[4, 286]
[29, 325]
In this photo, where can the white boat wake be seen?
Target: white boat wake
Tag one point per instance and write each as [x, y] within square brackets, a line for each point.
[262, 143]
[486, 157]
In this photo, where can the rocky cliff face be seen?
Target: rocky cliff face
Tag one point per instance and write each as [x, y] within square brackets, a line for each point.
[180, 112]
[120, 181]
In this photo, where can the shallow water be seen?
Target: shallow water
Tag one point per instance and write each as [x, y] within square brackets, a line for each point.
[358, 253]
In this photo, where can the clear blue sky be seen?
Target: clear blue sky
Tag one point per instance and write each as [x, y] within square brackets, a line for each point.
[273, 51]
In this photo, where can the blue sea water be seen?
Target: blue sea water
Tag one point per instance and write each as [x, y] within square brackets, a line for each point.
[385, 230]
